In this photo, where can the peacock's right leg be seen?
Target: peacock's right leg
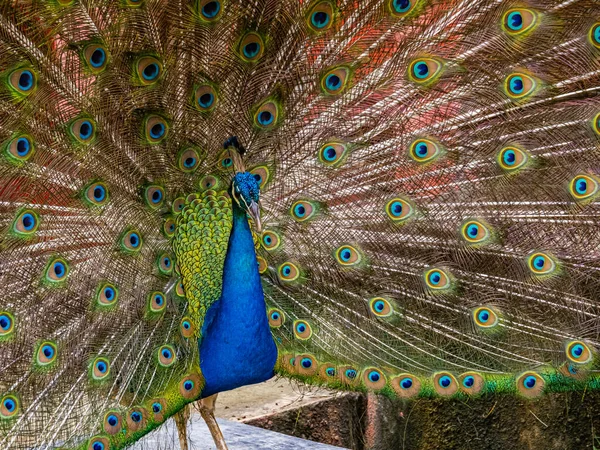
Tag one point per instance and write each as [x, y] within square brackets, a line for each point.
[207, 409]
[181, 420]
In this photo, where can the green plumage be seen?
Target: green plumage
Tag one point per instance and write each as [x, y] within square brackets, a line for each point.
[429, 176]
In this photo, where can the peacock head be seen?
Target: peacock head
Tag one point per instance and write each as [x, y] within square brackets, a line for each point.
[245, 191]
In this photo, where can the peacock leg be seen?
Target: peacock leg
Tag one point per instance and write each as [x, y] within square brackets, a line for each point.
[181, 420]
[207, 409]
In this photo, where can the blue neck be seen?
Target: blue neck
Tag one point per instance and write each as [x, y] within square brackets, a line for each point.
[237, 347]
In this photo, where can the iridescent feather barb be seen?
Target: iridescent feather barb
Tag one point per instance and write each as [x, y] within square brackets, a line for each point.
[428, 175]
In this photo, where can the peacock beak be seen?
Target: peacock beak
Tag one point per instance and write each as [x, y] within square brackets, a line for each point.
[254, 211]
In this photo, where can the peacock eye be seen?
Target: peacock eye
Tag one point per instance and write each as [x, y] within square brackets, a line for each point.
[7, 325]
[46, 353]
[157, 302]
[251, 47]
[166, 356]
[302, 330]
[276, 318]
[519, 85]
[262, 264]
[23, 81]
[188, 160]
[399, 210]
[347, 255]
[187, 327]
[475, 232]
[320, 16]
[424, 150]
[270, 240]
[332, 154]
[9, 406]
[437, 279]
[154, 196]
[209, 182]
[20, 148]
[262, 174]
[131, 242]
[530, 384]
[112, 422]
[26, 223]
[583, 187]
[541, 263]
[148, 70]
[445, 384]
[57, 270]
[381, 307]
[95, 57]
[578, 352]
[303, 210]
[401, 8]
[100, 369]
[210, 10]
[83, 130]
[190, 386]
[288, 272]
[519, 21]
[512, 158]
[155, 129]
[267, 115]
[424, 70]
[335, 80]
[205, 98]
[595, 35]
[485, 317]
[107, 294]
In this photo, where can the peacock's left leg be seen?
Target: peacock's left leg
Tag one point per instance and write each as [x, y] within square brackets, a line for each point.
[207, 409]
[181, 420]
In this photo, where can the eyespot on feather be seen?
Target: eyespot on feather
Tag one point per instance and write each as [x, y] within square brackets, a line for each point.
[157, 302]
[179, 290]
[381, 307]
[158, 408]
[530, 384]
[107, 295]
[46, 353]
[112, 423]
[519, 86]
[424, 150]
[541, 264]
[154, 196]
[578, 352]
[584, 187]
[399, 209]
[137, 419]
[332, 154]
[7, 325]
[270, 240]
[424, 70]
[205, 98]
[156, 129]
[302, 330]
[288, 272]
[178, 205]
[187, 327]
[251, 47]
[401, 8]
[303, 210]
[267, 115]
[57, 270]
[348, 255]
[373, 379]
[83, 130]
[349, 375]
[23, 81]
[262, 264]
[320, 16]
[485, 317]
[475, 232]
[594, 35]
[169, 227]
[131, 242]
[95, 57]
[406, 385]
[100, 369]
[306, 365]
[596, 123]
[20, 148]
[148, 70]
[335, 80]
[262, 174]
[26, 223]
[519, 21]
[445, 384]
[328, 372]
[165, 264]
[98, 443]
[210, 10]
[437, 279]
[511, 159]
[9, 406]
[471, 383]
[190, 387]
[276, 317]
[96, 194]
[209, 182]
[166, 356]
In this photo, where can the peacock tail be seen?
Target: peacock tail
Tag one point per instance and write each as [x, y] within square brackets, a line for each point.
[429, 174]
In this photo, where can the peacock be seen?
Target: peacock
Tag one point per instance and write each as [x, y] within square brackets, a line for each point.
[392, 196]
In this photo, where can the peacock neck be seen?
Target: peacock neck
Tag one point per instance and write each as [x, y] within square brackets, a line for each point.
[237, 347]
